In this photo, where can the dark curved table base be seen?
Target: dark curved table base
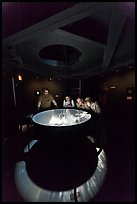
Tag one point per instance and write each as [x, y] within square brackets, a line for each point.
[63, 165]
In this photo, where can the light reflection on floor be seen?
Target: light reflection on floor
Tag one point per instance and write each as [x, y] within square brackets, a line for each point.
[31, 192]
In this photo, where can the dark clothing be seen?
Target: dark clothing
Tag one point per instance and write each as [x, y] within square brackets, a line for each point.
[45, 101]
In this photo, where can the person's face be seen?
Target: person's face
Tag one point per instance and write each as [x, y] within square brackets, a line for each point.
[81, 102]
[67, 98]
[46, 92]
[78, 100]
[88, 103]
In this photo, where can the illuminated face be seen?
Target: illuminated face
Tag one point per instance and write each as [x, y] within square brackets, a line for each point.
[46, 92]
[67, 98]
[88, 103]
[79, 100]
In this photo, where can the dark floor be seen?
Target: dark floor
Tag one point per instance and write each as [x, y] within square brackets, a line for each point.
[119, 185]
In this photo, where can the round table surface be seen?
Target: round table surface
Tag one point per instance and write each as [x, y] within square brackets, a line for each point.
[61, 117]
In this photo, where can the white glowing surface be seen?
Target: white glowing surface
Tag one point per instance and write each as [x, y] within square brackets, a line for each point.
[61, 117]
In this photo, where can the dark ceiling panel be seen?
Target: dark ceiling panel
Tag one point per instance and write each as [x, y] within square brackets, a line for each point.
[17, 16]
[89, 28]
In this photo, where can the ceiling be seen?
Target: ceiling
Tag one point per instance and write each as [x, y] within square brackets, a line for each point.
[103, 32]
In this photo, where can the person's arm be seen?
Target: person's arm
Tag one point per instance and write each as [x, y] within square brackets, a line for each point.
[39, 104]
[93, 106]
[73, 104]
[54, 102]
[97, 108]
[64, 104]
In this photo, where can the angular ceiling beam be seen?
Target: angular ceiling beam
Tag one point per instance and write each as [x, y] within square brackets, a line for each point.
[117, 23]
[68, 16]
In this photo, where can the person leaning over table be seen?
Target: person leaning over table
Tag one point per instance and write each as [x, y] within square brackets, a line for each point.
[80, 103]
[90, 105]
[45, 100]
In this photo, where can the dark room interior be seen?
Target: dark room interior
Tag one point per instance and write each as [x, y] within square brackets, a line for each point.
[77, 49]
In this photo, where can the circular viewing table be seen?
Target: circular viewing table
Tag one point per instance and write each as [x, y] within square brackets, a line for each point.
[61, 123]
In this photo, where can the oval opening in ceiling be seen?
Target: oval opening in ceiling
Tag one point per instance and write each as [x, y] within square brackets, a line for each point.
[59, 55]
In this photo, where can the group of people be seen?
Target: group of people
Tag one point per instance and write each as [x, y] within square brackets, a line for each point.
[46, 99]
[88, 104]
[82, 104]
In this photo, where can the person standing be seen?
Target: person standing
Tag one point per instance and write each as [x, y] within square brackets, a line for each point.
[45, 100]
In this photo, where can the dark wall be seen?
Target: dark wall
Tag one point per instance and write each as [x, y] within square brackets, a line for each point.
[114, 90]
[30, 85]
[9, 117]
[90, 87]
[83, 87]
